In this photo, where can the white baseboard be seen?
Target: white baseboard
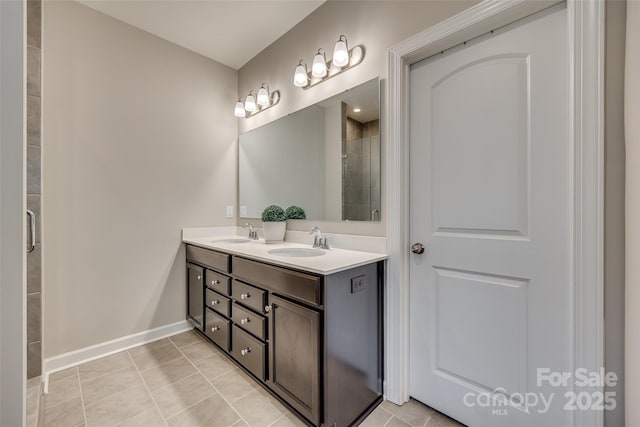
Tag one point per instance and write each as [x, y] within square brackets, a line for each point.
[78, 357]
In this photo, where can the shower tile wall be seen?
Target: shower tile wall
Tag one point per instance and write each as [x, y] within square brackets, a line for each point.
[34, 277]
[361, 147]
[371, 130]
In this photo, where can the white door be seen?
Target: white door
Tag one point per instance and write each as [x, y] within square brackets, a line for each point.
[490, 200]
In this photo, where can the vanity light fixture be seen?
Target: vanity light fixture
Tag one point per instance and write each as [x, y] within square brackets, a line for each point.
[239, 111]
[319, 67]
[250, 103]
[255, 103]
[262, 99]
[300, 77]
[341, 52]
[342, 60]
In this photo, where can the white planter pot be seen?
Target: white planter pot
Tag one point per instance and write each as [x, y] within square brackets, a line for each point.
[274, 231]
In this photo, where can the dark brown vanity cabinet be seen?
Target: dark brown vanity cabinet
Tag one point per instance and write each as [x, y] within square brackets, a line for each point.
[195, 313]
[295, 357]
[208, 294]
[314, 341]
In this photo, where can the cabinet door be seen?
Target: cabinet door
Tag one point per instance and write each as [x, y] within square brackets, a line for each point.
[195, 295]
[294, 356]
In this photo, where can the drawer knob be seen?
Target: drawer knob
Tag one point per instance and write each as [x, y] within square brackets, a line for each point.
[215, 302]
[245, 320]
[245, 351]
[215, 328]
[199, 277]
[267, 308]
[245, 296]
[215, 282]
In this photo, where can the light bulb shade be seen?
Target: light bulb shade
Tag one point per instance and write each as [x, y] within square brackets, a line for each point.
[341, 53]
[300, 77]
[263, 96]
[239, 111]
[319, 67]
[250, 104]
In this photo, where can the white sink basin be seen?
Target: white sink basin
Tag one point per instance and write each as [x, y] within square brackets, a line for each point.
[232, 240]
[296, 252]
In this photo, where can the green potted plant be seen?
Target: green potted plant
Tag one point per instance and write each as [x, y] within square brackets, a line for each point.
[295, 212]
[274, 224]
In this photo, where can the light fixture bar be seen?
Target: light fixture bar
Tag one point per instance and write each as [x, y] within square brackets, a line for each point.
[273, 100]
[356, 55]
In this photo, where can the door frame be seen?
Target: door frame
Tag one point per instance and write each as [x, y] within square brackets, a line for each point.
[585, 23]
[13, 289]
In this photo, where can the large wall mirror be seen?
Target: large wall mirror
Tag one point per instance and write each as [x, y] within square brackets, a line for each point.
[324, 158]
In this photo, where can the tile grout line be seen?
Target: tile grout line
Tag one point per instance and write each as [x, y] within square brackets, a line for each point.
[46, 408]
[274, 423]
[162, 364]
[84, 410]
[243, 396]
[198, 372]
[380, 408]
[389, 420]
[173, 382]
[196, 403]
[43, 408]
[211, 384]
[113, 394]
[153, 399]
[101, 376]
[180, 379]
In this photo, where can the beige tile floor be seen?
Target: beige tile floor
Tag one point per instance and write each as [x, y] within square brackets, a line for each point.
[183, 381]
[34, 389]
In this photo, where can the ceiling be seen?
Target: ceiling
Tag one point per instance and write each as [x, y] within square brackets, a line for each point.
[228, 31]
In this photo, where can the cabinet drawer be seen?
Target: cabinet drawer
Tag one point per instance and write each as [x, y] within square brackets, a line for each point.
[217, 302]
[301, 286]
[212, 259]
[217, 328]
[250, 321]
[249, 296]
[218, 282]
[249, 351]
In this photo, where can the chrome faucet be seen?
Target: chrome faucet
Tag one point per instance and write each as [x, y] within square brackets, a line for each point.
[253, 234]
[319, 241]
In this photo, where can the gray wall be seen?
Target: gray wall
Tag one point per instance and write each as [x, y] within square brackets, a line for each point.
[377, 26]
[139, 140]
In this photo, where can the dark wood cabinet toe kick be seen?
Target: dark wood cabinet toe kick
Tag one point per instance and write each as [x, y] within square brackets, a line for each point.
[314, 341]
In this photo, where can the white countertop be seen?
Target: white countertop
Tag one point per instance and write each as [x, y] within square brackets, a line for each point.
[333, 261]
